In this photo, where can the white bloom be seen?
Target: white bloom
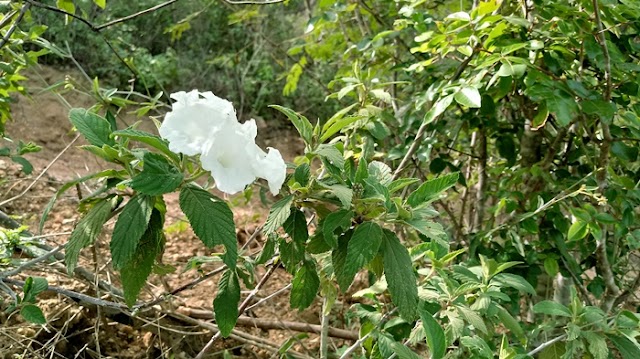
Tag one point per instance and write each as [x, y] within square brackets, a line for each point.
[201, 123]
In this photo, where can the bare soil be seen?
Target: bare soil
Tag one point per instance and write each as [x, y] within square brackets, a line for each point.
[79, 330]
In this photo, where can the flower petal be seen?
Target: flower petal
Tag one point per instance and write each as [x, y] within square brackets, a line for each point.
[273, 169]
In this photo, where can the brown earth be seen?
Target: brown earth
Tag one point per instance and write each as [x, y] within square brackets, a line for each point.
[86, 331]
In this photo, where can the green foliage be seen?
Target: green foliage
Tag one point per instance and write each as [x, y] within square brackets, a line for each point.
[211, 220]
[225, 305]
[130, 227]
[86, 232]
[158, 176]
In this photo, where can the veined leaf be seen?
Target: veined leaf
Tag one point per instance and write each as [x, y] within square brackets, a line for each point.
[135, 273]
[301, 123]
[431, 189]
[296, 226]
[438, 108]
[149, 139]
[158, 176]
[211, 220]
[93, 127]
[626, 347]
[131, 225]
[401, 279]
[33, 314]
[468, 97]
[435, 335]
[86, 232]
[278, 214]
[362, 247]
[549, 307]
[225, 306]
[305, 285]
[340, 219]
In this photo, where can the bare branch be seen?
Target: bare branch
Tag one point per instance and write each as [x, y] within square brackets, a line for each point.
[133, 16]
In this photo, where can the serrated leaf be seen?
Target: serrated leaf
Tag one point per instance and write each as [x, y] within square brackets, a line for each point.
[340, 219]
[304, 287]
[468, 97]
[291, 253]
[362, 247]
[431, 189]
[211, 220]
[93, 127]
[549, 307]
[149, 139]
[339, 255]
[331, 154]
[131, 225]
[158, 176]
[86, 232]
[578, 230]
[33, 314]
[301, 123]
[135, 273]
[302, 174]
[343, 193]
[554, 351]
[268, 250]
[381, 172]
[435, 335]
[225, 305]
[296, 226]
[513, 281]
[278, 214]
[401, 183]
[398, 270]
[597, 345]
[472, 318]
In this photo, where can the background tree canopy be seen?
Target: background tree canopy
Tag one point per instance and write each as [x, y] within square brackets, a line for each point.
[473, 165]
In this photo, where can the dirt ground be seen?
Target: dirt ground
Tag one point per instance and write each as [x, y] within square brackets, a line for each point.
[81, 331]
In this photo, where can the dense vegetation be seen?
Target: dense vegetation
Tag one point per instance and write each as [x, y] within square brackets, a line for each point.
[478, 160]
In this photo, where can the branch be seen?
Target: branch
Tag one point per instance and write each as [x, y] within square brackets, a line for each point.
[133, 16]
[14, 26]
[241, 309]
[542, 346]
[60, 11]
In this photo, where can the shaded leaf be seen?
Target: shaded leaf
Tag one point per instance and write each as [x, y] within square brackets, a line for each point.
[131, 225]
[225, 305]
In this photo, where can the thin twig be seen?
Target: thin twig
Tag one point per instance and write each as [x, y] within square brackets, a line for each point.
[132, 16]
[31, 262]
[544, 345]
[14, 26]
[3, 203]
[241, 309]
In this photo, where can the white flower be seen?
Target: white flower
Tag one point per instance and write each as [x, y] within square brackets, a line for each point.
[201, 123]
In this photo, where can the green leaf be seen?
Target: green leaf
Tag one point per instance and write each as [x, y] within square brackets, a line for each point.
[33, 314]
[362, 247]
[211, 220]
[134, 274]
[268, 250]
[340, 219]
[563, 107]
[302, 174]
[343, 193]
[472, 318]
[225, 305]
[401, 279]
[555, 351]
[513, 281]
[627, 348]
[27, 167]
[66, 186]
[296, 226]
[578, 230]
[509, 322]
[66, 5]
[549, 307]
[86, 232]
[381, 172]
[131, 225]
[158, 176]
[331, 154]
[479, 345]
[93, 127]
[278, 214]
[435, 335]
[438, 109]
[403, 352]
[401, 183]
[468, 97]
[149, 139]
[624, 152]
[431, 189]
[336, 126]
[597, 345]
[305, 286]
[301, 123]
[100, 3]
[291, 253]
